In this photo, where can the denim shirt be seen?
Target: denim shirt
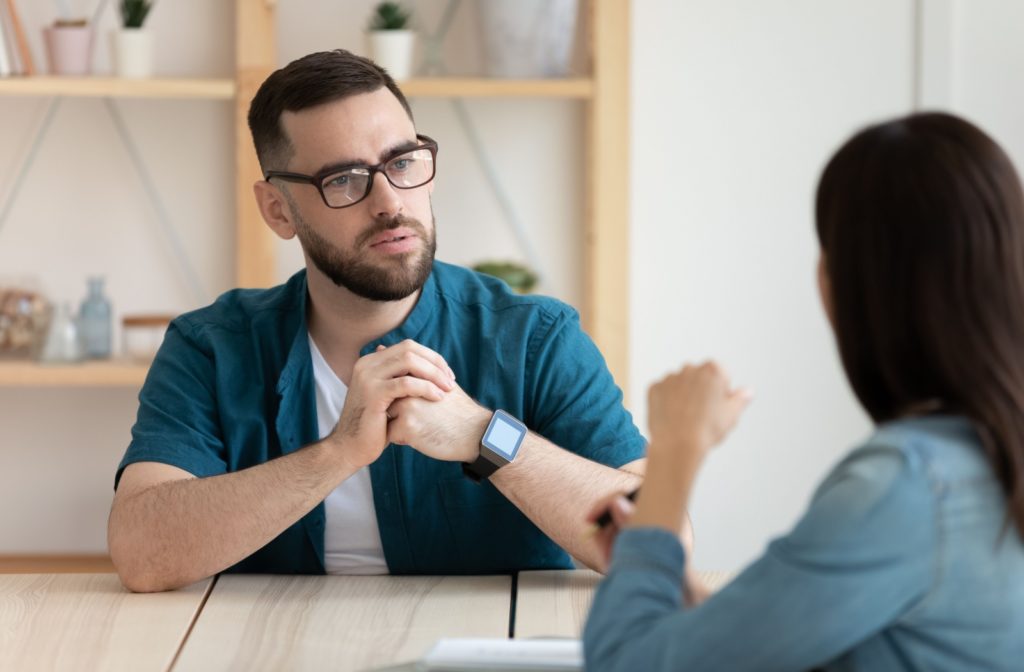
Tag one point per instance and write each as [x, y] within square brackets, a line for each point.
[902, 562]
[232, 387]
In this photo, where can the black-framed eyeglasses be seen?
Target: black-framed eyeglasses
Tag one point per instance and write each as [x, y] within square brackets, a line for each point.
[343, 186]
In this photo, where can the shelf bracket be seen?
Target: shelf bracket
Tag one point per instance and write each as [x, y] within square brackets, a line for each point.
[166, 226]
[30, 157]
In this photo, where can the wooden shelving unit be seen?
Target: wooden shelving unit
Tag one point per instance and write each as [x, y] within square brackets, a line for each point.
[604, 94]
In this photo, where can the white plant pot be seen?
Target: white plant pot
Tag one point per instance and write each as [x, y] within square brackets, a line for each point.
[393, 51]
[528, 38]
[133, 53]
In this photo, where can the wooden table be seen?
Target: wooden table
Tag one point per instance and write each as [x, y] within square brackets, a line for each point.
[340, 623]
[263, 622]
[89, 622]
[555, 603]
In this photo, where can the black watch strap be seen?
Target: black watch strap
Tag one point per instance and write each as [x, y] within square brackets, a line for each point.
[480, 469]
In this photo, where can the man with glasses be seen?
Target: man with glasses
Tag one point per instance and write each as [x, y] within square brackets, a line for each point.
[370, 415]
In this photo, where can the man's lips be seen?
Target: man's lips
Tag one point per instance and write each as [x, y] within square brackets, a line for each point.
[392, 236]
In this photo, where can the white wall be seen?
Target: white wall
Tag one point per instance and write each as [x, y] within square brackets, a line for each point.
[732, 124]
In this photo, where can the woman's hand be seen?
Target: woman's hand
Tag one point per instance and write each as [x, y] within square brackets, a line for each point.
[694, 409]
[621, 512]
[688, 413]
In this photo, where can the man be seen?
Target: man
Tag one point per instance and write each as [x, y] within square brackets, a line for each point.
[329, 424]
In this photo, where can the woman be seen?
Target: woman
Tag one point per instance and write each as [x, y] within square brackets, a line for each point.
[910, 555]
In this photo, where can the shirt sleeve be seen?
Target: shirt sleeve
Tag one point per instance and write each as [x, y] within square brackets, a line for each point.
[860, 557]
[177, 422]
[573, 400]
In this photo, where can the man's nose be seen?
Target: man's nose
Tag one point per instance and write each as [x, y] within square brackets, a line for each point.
[384, 199]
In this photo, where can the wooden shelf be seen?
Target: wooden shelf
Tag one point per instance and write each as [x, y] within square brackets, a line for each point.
[461, 87]
[115, 87]
[224, 89]
[86, 374]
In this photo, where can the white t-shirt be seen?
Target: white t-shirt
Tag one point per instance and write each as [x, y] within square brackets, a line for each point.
[351, 538]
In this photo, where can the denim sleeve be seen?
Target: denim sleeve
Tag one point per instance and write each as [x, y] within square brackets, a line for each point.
[573, 400]
[861, 556]
[177, 422]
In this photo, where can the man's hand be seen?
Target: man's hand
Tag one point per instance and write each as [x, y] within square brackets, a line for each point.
[406, 370]
[449, 428]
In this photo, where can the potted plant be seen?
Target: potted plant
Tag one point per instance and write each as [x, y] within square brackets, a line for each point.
[133, 45]
[391, 40]
[517, 276]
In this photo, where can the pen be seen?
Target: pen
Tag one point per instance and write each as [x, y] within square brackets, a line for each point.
[605, 519]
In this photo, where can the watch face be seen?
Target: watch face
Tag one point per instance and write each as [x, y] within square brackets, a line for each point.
[504, 435]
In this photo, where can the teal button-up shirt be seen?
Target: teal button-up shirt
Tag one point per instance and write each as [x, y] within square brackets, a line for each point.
[232, 387]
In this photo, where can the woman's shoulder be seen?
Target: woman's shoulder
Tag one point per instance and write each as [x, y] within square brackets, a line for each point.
[935, 449]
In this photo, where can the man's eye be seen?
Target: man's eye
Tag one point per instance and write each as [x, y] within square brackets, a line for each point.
[401, 164]
[337, 181]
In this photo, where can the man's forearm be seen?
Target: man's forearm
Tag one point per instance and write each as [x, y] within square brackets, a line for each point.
[556, 488]
[178, 532]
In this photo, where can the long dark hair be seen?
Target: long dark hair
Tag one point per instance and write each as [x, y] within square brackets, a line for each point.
[921, 223]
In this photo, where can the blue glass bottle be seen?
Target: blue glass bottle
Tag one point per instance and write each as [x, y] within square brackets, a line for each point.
[94, 321]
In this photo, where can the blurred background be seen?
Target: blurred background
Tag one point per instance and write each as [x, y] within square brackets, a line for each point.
[734, 107]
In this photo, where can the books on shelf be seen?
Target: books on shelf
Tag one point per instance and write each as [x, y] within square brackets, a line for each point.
[15, 55]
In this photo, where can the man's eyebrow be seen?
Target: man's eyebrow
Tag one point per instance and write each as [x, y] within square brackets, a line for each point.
[390, 151]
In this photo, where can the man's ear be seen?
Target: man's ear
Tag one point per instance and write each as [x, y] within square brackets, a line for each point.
[274, 209]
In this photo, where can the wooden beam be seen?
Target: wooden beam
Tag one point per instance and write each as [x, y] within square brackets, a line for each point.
[255, 59]
[606, 260]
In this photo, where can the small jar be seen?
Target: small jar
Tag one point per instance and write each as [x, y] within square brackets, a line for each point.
[142, 335]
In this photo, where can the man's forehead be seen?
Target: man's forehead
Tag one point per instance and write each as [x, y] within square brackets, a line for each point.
[356, 128]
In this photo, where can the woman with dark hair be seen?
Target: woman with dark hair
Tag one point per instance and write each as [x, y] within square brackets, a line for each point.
[910, 556]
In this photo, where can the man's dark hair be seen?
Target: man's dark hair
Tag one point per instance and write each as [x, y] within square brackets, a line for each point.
[316, 79]
[921, 223]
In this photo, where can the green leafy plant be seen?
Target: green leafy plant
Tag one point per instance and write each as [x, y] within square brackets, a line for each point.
[390, 16]
[520, 278]
[134, 12]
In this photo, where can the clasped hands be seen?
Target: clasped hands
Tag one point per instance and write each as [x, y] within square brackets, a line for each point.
[407, 394]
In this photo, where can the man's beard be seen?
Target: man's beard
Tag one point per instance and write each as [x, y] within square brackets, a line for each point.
[399, 279]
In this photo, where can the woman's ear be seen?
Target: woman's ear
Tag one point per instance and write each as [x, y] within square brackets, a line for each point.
[825, 290]
[275, 211]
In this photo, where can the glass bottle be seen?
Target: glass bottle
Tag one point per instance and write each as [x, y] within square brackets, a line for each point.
[94, 321]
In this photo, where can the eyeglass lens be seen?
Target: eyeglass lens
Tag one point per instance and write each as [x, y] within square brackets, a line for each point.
[405, 171]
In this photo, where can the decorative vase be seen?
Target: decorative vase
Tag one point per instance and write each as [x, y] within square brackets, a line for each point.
[393, 51]
[69, 49]
[528, 38]
[133, 53]
[94, 322]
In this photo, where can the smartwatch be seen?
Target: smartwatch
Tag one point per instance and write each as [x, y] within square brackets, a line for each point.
[498, 447]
